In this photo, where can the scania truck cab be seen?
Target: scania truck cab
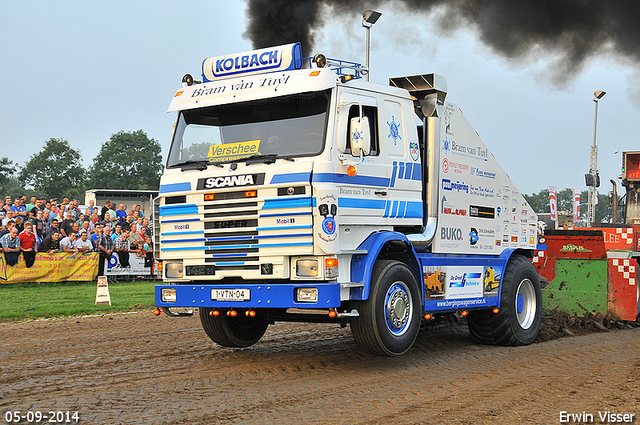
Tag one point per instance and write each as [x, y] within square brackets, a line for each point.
[296, 191]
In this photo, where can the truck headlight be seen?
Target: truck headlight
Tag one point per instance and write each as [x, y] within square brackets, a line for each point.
[168, 295]
[173, 270]
[307, 295]
[307, 268]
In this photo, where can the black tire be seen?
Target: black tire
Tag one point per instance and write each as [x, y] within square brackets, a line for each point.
[239, 331]
[518, 321]
[389, 319]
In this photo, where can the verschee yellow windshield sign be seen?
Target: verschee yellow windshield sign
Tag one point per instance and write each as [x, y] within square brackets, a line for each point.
[233, 151]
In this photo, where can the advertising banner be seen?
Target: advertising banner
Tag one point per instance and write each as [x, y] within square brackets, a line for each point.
[58, 267]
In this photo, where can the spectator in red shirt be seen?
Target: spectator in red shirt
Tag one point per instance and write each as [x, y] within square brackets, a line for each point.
[28, 244]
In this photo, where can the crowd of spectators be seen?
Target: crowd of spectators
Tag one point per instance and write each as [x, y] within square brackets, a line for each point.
[48, 226]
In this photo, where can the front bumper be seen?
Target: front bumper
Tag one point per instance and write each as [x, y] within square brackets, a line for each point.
[271, 295]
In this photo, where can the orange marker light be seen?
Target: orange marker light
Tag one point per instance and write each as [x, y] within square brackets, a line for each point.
[333, 313]
[427, 316]
[352, 170]
[331, 262]
[250, 193]
[214, 313]
[250, 313]
[314, 74]
[179, 93]
[496, 310]
[232, 313]
[209, 196]
[157, 311]
[464, 313]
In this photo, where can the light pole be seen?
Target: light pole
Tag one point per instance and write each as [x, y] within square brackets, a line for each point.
[592, 179]
[369, 17]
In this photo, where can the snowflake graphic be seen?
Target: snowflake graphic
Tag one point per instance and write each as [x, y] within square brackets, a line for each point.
[394, 130]
[446, 147]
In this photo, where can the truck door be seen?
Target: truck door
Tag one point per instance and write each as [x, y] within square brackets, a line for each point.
[363, 197]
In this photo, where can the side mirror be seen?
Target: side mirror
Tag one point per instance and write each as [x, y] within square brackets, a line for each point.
[360, 136]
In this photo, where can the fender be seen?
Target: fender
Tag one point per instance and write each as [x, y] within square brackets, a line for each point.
[362, 265]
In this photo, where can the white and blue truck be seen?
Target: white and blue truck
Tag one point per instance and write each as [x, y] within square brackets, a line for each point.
[294, 190]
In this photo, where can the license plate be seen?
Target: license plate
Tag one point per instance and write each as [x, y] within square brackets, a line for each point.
[230, 294]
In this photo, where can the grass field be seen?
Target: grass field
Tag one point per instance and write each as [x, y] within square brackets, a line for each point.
[20, 301]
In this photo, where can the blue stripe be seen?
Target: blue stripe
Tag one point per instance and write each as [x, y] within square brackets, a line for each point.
[393, 174]
[285, 214]
[355, 180]
[414, 210]
[394, 213]
[202, 248]
[229, 255]
[179, 221]
[403, 207]
[272, 204]
[401, 171]
[291, 178]
[199, 232]
[175, 187]
[387, 208]
[236, 263]
[179, 209]
[283, 227]
[417, 171]
[373, 204]
[239, 238]
[407, 171]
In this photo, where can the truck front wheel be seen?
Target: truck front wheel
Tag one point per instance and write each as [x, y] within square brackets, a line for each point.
[389, 319]
[520, 315]
[238, 331]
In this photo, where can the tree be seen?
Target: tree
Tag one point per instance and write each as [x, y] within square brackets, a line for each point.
[564, 200]
[55, 171]
[7, 171]
[129, 160]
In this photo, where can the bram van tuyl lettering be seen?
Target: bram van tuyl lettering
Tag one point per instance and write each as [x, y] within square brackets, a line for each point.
[242, 85]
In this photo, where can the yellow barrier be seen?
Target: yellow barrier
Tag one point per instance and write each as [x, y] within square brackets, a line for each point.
[57, 267]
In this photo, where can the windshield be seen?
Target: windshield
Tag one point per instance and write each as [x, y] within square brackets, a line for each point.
[285, 126]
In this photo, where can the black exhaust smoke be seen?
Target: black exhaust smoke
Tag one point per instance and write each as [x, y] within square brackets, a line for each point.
[570, 30]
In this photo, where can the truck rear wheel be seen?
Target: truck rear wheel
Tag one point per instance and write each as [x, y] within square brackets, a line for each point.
[518, 321]
[390, 319]
[238, 331]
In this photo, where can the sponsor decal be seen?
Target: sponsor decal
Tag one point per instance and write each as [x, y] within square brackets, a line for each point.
[233, 151]
[451, 234]
[482, 212]
[464, 280]
[414, 150]
[290, 220]
[480, 173]
[455, 186]
[485, 192]
[456, 167]
[574, 248]
[328, 209]
[464, 150]
[473, 236]
[180, 226]
[449, 210]
[231, 181]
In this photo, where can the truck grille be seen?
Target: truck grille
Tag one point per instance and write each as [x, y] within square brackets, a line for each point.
[238, 235]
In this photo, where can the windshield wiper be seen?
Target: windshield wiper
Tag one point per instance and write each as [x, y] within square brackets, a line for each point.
[195, 164]
[267, 159]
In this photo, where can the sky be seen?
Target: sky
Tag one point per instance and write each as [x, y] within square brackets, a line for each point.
[83, 71]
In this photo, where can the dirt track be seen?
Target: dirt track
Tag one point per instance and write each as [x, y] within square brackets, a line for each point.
[141, 369]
